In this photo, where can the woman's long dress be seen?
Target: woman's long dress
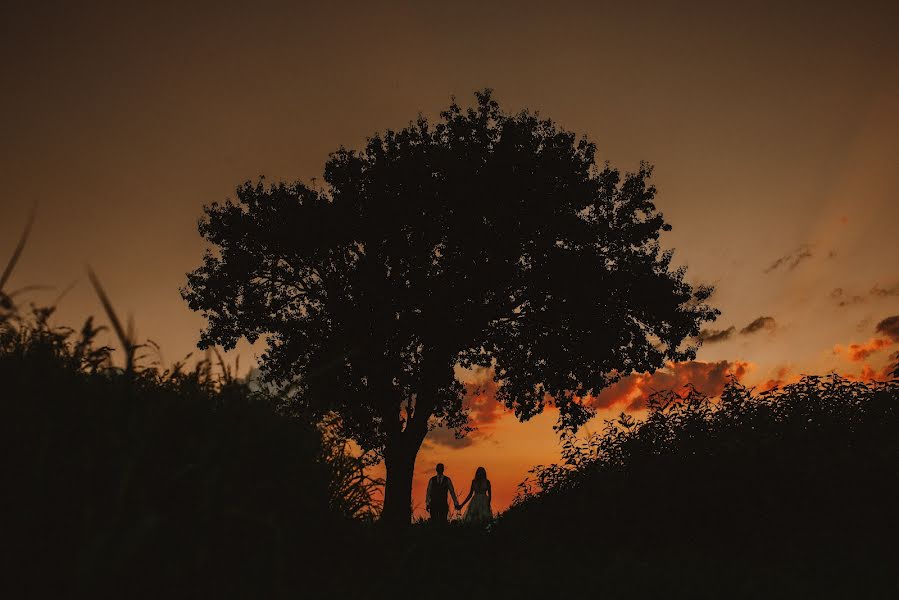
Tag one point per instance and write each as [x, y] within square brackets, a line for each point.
[478, 510]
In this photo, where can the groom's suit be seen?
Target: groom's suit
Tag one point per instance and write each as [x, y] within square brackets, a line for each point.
[438, 505]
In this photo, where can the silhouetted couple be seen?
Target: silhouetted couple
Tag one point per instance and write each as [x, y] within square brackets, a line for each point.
[480, 494]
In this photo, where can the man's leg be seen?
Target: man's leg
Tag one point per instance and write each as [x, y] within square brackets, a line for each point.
[439, 514]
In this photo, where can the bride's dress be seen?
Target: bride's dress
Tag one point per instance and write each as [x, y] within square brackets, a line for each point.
[479, 508]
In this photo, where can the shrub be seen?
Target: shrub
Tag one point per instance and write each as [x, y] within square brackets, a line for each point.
[157, 480]
[787, 491]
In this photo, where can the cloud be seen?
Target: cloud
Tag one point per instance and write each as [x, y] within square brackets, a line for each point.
[782, 376]
[888, 330]
[859, 352]
[785, 376]
[480, 400]
[892, 368]
[889, 327]
[842, 298]
[483, 411]
[869, 373]
[884, 292]
[766, 323]
[713, 336]
[441, 436]
[631, 392]
[791, 261]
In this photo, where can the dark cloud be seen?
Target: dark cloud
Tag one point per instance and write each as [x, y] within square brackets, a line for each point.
[863, 325]
[632, 391]
[712, 336]
[889, 327]
[884, 292]
[842, 298]
[766, 323]
[791, 260]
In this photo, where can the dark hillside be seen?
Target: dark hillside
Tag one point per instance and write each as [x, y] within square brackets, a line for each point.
[178, 483]
[161, 483]
[788, 493]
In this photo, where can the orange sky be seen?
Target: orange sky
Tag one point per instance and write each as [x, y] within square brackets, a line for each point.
[774, 128]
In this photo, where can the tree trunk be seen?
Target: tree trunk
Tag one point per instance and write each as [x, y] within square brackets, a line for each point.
[399, 457]
[400, 461]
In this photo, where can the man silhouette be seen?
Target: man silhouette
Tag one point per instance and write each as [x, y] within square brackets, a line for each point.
[435, 500]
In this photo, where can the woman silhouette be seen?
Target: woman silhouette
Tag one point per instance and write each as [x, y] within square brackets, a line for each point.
[479, 511]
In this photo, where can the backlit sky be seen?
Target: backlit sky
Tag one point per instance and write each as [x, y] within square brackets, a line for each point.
[774, 128]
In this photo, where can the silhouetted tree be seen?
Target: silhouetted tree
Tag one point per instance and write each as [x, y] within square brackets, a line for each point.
[487, 239]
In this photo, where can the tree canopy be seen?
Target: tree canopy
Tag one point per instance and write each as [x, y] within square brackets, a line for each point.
[486, 238]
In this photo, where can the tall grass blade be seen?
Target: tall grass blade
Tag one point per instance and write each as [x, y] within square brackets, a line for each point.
[17, 253]
[123, 335]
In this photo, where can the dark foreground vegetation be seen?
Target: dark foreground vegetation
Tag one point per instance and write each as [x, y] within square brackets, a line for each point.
[139, 481]
[786, 493]
[142, 482]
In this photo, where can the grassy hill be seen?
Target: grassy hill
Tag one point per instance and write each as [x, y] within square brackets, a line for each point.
[168, 483]
[157, 482]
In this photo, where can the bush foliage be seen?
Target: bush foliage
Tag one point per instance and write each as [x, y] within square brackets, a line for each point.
[784, 492]
[154, 479]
